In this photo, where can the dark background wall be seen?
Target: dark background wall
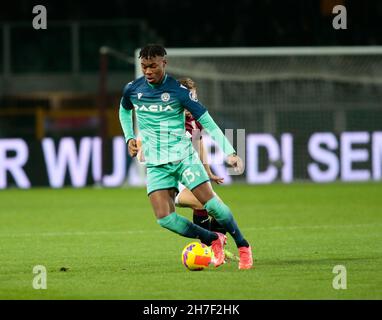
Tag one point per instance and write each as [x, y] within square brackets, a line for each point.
[225, 23]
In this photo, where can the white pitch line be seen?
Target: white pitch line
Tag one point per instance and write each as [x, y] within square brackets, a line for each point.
[127, 232]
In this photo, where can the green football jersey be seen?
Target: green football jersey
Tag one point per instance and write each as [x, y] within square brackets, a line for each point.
[160, 118]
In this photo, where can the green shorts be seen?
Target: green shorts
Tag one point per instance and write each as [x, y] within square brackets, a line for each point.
[189, 171]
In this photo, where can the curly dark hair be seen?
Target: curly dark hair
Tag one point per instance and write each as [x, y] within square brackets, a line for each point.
[151, 51]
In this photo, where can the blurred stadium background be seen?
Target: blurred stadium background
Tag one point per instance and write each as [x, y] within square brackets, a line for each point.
[284, 70]
[308, 97]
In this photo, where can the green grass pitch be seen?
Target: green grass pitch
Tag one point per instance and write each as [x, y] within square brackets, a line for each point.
[111, 247]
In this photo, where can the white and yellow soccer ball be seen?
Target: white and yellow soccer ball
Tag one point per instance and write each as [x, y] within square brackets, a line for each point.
[196, 256]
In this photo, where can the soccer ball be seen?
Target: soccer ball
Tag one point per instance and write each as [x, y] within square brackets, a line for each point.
[196, 256]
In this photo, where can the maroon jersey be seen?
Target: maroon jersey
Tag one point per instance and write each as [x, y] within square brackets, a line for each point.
[193, 127]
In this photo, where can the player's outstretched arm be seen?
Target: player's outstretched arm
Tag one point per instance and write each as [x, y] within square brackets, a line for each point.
[200, 113]
[215, 132]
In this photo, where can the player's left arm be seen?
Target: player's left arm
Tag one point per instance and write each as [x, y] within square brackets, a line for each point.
[201, 114]
[215, 133]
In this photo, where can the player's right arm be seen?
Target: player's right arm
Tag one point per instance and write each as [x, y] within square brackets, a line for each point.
[126, 120]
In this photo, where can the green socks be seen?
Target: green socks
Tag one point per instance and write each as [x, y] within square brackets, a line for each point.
[219, 211]
[186, 228]
[223, 215]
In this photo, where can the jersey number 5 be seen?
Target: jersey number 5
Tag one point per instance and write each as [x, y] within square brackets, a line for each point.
[189, 176]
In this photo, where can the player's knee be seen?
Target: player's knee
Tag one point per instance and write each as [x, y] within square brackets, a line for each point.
[217, 208]
[166, 221]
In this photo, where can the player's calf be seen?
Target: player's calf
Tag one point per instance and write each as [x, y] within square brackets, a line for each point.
[182, 226]
[224, 217]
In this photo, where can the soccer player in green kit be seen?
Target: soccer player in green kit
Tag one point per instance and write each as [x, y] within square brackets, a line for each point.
[159, 102]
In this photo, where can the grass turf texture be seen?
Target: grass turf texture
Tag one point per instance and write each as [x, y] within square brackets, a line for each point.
[106, 244]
